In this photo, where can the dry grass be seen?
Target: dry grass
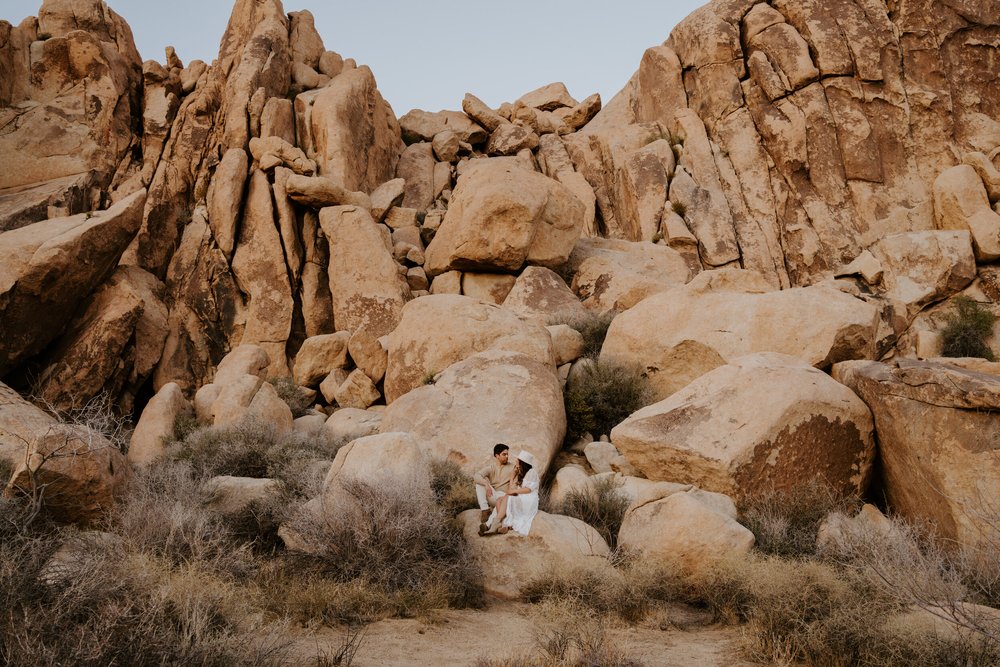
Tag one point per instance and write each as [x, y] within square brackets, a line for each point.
[594, 330]
[785, 523]
[294, 396]
[453, 489]
[601, 505]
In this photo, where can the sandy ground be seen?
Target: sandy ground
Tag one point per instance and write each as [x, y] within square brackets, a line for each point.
[673, 638]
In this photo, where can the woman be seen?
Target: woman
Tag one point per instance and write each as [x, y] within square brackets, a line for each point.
[516, 510]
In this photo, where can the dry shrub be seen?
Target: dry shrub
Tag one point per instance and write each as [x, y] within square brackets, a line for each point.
[968, 330]
[453, 489]
[294, 396]
[602, 397]
[396, 540]
[126, 599]
[785, 523]
[600, 504]
[570, 636]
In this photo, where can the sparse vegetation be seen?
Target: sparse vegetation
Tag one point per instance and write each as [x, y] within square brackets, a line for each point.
[679, 208]
[601, 397]
[453, 489]
[600, 504]
[968, 330]
[594, 330]
[785, 523]
[293, 395]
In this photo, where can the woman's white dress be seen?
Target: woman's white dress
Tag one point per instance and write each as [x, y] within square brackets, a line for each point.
[522, 508]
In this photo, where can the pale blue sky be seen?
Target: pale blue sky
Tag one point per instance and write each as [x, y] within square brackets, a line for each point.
[429, 54]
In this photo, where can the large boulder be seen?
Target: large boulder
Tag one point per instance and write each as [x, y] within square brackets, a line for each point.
[501, 217]
[540, 295]
[367, 289]
[717, 433]
[490, 397]
[688, 326]
[350, 131]
[419, 347]
[611, 274]
[938, 428]
[76, 472]
[685, 527]
[157, 423]
[555, 542]
[49, 269]
[961, 203]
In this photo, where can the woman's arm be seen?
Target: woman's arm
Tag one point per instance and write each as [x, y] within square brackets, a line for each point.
[519, 491]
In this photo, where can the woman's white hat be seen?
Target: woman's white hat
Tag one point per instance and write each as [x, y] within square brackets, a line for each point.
[526, 457]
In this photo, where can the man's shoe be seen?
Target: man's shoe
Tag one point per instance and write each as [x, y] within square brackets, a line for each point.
[483, 529]
[484, 515]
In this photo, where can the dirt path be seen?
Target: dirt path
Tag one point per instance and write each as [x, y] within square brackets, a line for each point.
[673, 639]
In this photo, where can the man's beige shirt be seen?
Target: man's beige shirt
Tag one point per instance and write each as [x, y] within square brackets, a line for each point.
[496, 475]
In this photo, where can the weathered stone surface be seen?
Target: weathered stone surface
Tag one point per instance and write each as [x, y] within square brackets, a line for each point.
[939, 441]
[681, 528]
[156, 425]
[50, 267]
[318, 356]
[319, 192]
[278, 119]
[82, 472]
[567, 343]
[369, 353]
[539, 294]
[331, 383]
[717, 433]
[478, 111]
[509, 139]
[418, 125]
[71, 100]
[643, 180]
[502, 217]
[583, 112]
[273, 151]
[368, 293]
[357, 391]
[616, 275]
[924, 267]
[419, 347]
[960, 202]
[225, 196]
[246, 359]
[488, 287]
[490, 397]
[555, 541]
[386, 196]
[548, 97]
[388, 459]
[416, 167]
[351, 131]
[233, 400]
[260, 271]
[818, 324]
[348, 424]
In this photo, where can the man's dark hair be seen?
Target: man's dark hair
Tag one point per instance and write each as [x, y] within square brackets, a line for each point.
[499, 448]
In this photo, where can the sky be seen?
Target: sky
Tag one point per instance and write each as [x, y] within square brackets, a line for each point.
[428, 54]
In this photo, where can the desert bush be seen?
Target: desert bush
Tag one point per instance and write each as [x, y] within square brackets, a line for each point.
[785, 523]
[602, 397]
[98, 415]
[968, 330]
[293, 395]
[395, 540]
[453, 489]
[600, 504]
[594, 329]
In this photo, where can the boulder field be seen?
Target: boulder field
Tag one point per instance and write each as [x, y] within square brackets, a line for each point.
[770, 219]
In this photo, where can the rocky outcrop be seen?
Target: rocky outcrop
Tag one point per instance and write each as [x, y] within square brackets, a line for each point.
[490, 397]
[555, 542]
[419, 349]
[939, 441]
[50, 267]
[718, 434]
[76, 472]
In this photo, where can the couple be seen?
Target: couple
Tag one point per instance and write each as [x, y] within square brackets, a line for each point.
[511, 489]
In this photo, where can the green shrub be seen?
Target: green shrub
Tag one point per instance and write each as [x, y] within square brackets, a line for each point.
[601, 397]
[600, 504]
[785, 523]
[968, 330]
[294, 396]
[594, 330]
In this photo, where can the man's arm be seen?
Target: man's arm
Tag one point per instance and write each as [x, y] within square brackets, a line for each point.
[481, 477]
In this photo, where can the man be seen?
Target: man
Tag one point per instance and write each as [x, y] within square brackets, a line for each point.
[493, 480]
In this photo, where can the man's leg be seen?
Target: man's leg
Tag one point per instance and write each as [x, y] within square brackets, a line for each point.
[484, 504]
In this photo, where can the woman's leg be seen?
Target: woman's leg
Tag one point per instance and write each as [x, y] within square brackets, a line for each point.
[501, 512]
